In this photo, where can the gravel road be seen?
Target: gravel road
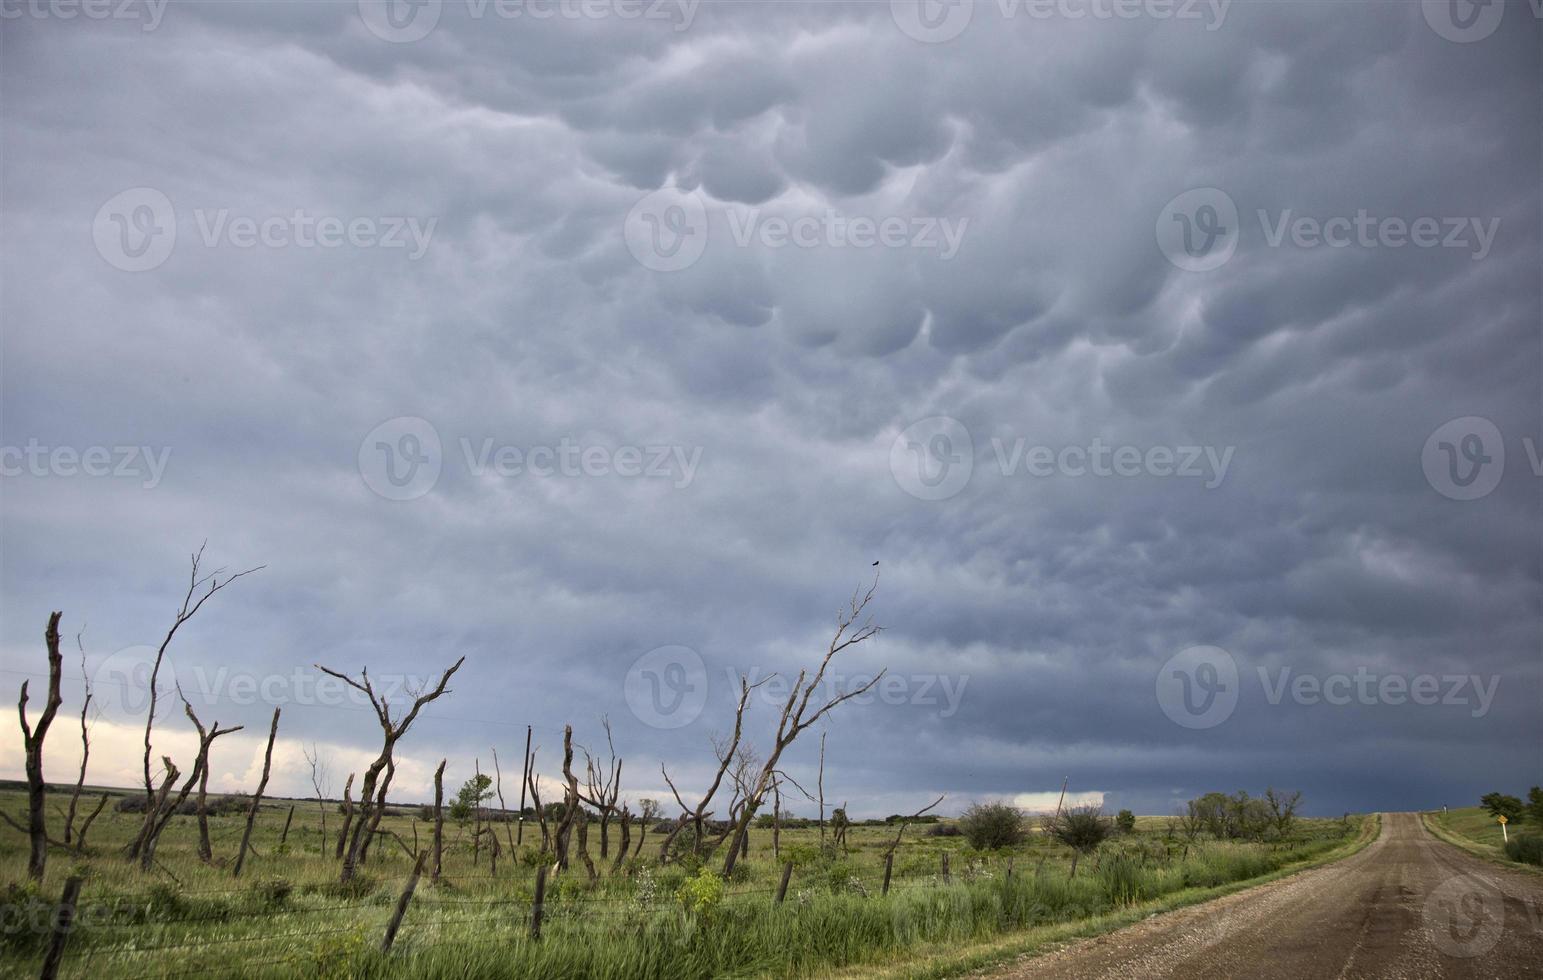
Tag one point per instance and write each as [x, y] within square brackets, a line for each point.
[1407, 906]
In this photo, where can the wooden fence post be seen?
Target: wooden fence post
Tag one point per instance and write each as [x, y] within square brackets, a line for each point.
[535, 909]
[402, 903]
[64, 921]
[782, 888]
[889, 865]
[946, 878]
[285, 835]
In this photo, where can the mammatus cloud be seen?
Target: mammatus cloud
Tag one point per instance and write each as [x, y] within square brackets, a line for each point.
[554, 340]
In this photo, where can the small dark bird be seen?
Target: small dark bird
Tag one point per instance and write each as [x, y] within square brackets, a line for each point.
[875, 564]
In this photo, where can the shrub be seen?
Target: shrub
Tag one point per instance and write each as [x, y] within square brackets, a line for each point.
[944, 830]
[1526, 848]
[1081, 828]
[988, 826]
[1126, 821]
[272, 892]
[702, 894]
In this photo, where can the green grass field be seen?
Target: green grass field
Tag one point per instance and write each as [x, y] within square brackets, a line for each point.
[287, 915]
[1475, 830]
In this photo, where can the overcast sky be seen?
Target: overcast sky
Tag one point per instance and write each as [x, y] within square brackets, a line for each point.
[609, 345]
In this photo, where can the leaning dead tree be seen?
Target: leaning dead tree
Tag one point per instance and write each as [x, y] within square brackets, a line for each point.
[439, 820]
[257, 798]
[201, 588]
[726, 751]
[853, 626]
[32, 737]
[372, 793]
[906, 821]
[201, 767]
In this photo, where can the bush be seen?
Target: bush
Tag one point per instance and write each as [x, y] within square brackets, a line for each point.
[988, 826]
[272, 893]
[1081, 828]
[1526, 848]
[1126, 821]
[701, 895]
[944, 830]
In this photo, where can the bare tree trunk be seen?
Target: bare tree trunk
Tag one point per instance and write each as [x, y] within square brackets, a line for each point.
[372, 801]
[85, 825]
[187, 611]
[535, 799]
[85, 745]
[476, 816]
[626, 839]
[257, 797]
[520, 835]
[570, 800]
[157, 826]
[32, 739]
[499, 775]
[584, 845]
[821, 788]
[776, 820]
[348, 816]
[201, 768]
[136, 848]
[793, 720]
[439, 820]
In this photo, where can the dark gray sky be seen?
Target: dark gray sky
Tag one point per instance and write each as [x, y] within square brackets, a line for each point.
[608, 344]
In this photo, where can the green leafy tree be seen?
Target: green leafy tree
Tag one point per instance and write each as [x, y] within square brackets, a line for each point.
[1535, 805]
[1126, 821]
[473, 793]
[1503, 805]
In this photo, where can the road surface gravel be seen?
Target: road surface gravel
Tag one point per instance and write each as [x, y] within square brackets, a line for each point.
[1406, 906]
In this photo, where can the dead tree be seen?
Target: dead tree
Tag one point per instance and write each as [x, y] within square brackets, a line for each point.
[648, 812]
[372, 799]
[796, 716]
[321, 782]
[905, 821]
[820, 787]
[498, 778]
[726, 751]
[32, 739]
[604, 788]
[439, 821]
[200, 589]
[348, 816]
[85, 745]
[777, 819]
[476, 826]
[201, 766]
[626, 839]
[257, 797]
[583, 842]
[571, 806]
[535, 799]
